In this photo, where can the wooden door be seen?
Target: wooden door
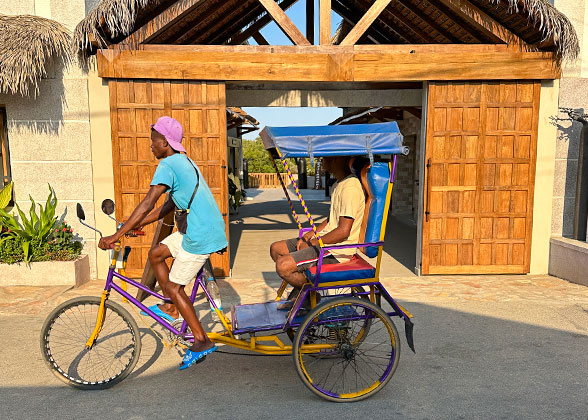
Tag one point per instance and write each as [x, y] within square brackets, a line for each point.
[200, 108]
[481, 146]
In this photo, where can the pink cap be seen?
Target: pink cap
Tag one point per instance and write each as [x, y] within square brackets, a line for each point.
[172, 130]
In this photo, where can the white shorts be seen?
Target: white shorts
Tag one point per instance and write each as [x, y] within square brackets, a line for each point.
[186, 265]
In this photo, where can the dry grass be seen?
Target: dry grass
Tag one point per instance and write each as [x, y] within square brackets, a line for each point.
[27, 43]
[118, 18]
[554, 25]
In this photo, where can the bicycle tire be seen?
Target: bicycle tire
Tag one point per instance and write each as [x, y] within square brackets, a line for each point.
[75, 340]
[309, 364]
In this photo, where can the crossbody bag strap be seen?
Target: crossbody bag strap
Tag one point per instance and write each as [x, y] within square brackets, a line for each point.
[197, 184]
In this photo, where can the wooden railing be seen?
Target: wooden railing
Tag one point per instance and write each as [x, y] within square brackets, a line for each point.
[262, 180]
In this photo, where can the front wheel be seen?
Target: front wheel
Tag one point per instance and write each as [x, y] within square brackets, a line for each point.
[112, 357]
[346, 350]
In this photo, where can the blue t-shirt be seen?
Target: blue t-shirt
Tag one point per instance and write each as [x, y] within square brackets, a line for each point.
[206, 228]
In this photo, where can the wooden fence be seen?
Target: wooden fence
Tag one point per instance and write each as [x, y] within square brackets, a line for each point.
[261, 180]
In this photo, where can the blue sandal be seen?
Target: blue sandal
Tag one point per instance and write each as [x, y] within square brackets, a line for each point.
[192, 357]
[159, 313]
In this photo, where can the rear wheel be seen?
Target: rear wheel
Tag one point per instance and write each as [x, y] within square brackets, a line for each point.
[347, 349]
[112, 357]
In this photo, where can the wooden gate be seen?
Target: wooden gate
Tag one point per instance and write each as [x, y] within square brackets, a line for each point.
[134, 106]
[480, 157]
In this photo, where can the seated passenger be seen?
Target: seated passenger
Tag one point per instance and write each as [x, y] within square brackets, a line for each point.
[294, 256]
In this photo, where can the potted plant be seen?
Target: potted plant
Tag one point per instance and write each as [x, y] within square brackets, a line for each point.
[38, 249]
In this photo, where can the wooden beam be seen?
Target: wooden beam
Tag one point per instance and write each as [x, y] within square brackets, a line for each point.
[373, 32]
[365, 22]
[266, 64]
[220, 21]
[258, 37]
[161, 22]
[482, 22]
[431, 22]
[401, 19]
[284, 22]
[325, 22]
[259, 25]
[310, 21]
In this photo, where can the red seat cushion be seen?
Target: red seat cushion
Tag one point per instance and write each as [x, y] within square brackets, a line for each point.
[356, 268]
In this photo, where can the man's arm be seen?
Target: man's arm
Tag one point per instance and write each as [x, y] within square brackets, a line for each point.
[158, 213]
[140, 212]
[339, 234]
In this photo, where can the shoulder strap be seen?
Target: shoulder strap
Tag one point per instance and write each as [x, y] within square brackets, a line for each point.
[197, 183]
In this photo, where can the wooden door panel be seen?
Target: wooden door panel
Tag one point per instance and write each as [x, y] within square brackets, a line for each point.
[135, 105]
[480, 154]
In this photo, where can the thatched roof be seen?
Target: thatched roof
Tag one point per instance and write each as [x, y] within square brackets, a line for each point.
[119, 16]
[554, 25]
[536, 22]
[27, 43]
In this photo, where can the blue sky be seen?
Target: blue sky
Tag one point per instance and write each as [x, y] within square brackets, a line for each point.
[293, 116]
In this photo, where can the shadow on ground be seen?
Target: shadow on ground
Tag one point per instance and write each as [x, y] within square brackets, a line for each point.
[467, 366]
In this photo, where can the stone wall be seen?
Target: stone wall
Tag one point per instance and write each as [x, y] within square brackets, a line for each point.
[573, 94]
[49, 136]
[405, 192]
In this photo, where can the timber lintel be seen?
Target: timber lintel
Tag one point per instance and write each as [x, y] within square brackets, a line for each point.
[327, 64]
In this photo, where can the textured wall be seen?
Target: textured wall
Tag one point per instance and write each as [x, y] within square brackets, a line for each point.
[49, 136]
[573, 94]
[405, 192]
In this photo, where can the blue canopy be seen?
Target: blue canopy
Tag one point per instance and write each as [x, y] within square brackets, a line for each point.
[335, 140]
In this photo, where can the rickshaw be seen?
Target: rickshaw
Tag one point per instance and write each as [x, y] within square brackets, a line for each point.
[345, 348]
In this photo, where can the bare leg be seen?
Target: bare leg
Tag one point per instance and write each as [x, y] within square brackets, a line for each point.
[182, 301]
[278, 249]
[157, 257]
[287, 270]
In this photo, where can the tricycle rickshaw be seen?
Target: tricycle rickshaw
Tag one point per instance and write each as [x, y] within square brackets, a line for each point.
[346, 348]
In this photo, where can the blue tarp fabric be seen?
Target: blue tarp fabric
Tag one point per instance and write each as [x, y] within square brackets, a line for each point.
[335, 140]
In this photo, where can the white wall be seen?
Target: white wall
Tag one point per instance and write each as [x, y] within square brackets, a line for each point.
[49, 136]
[573, 94]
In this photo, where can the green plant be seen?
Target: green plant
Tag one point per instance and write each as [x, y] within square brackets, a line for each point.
[33, 228]
[6, 195]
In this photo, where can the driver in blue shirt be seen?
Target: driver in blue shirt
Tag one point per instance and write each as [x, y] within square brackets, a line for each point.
[205, 233]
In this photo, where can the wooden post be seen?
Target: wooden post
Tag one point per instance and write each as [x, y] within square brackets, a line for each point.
[163, 230]
[325, 22]
[310, 21]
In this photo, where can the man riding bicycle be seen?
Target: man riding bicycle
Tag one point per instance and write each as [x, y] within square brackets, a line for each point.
[204, 233]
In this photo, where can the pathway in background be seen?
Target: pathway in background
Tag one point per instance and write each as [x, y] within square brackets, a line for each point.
[266, 217]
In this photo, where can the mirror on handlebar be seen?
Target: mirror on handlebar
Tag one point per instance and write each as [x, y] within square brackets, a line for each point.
[80, 212]
[108, 206]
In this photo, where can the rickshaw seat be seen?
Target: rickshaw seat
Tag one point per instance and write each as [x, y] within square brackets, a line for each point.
[356, 268]
[375, 179]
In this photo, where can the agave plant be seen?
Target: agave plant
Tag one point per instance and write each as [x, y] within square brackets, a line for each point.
[6, 195]
[32, 228]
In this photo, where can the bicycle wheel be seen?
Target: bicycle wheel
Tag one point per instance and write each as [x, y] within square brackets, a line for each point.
[356, 349]
[113, 356]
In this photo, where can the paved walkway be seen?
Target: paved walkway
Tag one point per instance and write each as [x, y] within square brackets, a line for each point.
[487, 347]
[266, 217]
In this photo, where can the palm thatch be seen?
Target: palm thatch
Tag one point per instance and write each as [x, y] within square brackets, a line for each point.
[118, 16]
[554, 25]
[27, 43]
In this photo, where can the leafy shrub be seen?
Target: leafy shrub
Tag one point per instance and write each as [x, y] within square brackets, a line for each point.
[38, 237]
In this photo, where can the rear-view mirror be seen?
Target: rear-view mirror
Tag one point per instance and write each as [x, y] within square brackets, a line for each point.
[108, 206]
[80, 212]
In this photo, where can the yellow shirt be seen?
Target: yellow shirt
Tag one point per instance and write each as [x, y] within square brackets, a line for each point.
[348, 200]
